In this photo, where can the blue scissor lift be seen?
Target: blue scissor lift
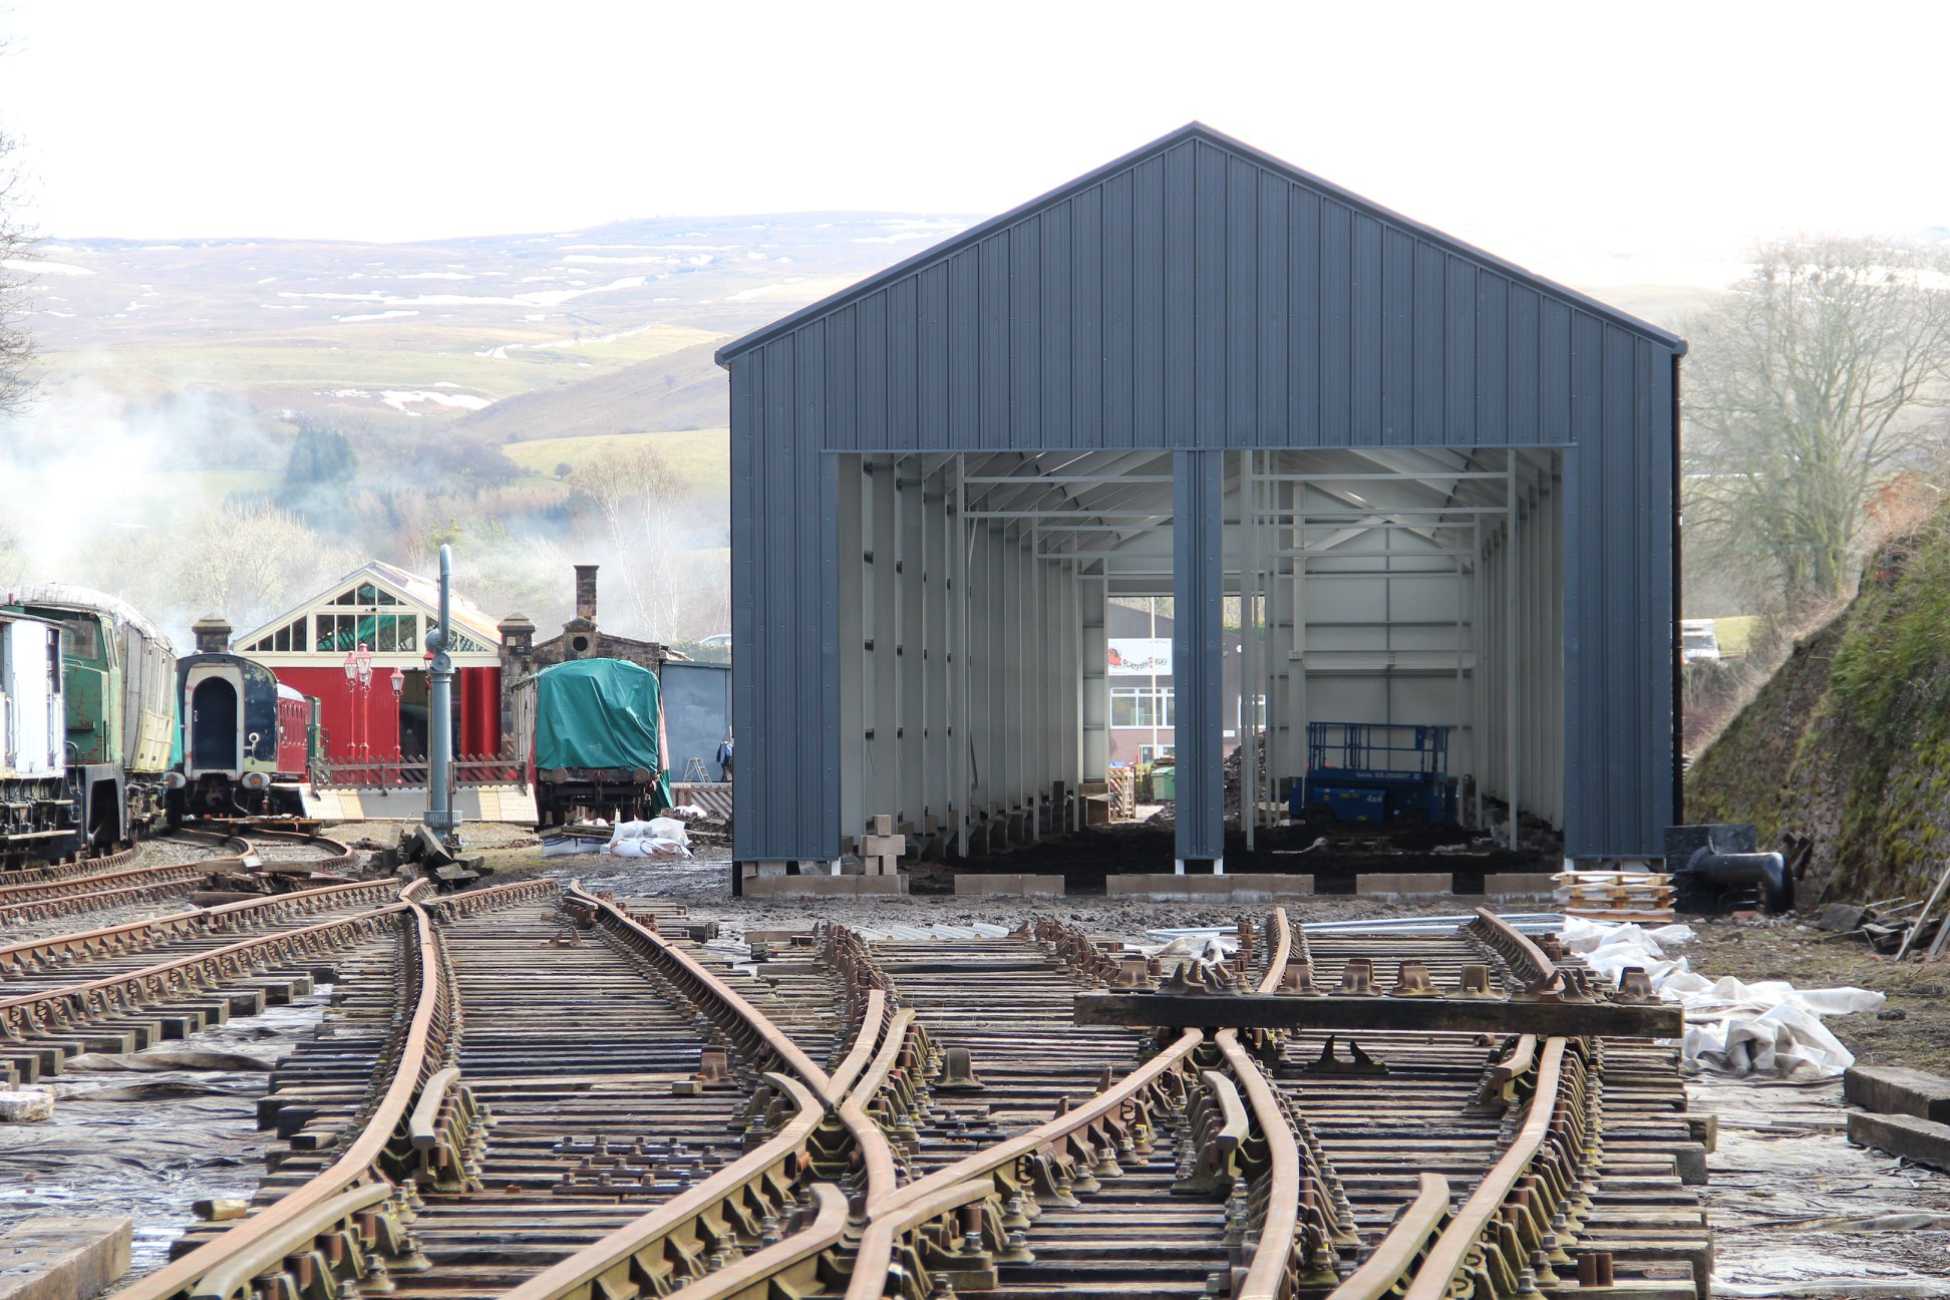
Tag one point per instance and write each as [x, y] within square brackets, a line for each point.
[1377, 774]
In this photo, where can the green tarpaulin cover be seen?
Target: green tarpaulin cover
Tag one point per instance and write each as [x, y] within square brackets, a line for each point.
[600, 713]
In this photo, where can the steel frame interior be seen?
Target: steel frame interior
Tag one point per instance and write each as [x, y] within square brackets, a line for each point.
[1429, 584]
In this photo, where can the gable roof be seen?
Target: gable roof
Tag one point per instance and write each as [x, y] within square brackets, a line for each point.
[422, 593]
[1196, 131]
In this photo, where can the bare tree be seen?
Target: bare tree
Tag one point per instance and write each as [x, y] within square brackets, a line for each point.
[1807, 388]
[634, 493]
[16, 346]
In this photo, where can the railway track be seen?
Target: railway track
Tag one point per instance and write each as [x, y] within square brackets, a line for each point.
[103, 884]
[548, 1098]
[120, 988]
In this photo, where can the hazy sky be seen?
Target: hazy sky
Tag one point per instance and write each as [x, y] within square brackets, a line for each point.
[1650, 141]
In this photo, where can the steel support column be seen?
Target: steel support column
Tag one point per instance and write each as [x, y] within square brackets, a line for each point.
[1198, 584]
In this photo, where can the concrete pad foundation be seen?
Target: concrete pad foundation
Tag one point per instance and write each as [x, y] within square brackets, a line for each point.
[63, 1259]
[822, 886]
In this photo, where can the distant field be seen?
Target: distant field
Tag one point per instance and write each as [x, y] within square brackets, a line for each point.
[1735, 633]
[383, 355]
[701, 458]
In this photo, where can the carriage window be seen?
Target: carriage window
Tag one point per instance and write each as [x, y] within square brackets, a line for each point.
[84, 640]
[54, 660]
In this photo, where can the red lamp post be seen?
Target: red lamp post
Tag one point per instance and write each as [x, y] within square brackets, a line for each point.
[399, 759]
[358, 679]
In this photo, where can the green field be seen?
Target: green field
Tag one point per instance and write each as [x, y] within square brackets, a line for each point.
[701, 458]
[1734, 634]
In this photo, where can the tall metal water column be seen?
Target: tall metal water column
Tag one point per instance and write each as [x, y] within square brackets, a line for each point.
[440, 818]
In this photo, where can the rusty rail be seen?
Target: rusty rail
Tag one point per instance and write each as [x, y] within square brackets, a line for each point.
[1402, 1251]
[78, 866]
[56, 1010]
[704, 988]
[645, 1256]
[36, 955]
[1525, 960]
[328, 1203]
[350, 1219]
[799, 1265]
[1502, 1239]
[649, 1255]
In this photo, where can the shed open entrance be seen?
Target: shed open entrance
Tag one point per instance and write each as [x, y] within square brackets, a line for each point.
[1389, 649]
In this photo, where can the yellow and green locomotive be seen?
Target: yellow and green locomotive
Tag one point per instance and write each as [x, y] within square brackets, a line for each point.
[120, 704]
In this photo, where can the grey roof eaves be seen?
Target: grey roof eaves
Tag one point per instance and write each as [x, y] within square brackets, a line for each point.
[1190, 131]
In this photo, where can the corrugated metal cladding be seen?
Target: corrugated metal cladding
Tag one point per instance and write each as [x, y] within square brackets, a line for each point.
[1200, 294]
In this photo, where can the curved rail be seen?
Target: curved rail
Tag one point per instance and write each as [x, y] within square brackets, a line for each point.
[1402, 1250]
[875, 1259]
[62, 870]
[1450, 1255]
[1525, 959]
[792, 1265]
[16, 896]
[58, 1009]
[223, 1268]
[354, 1204]
[639, 1257]
[37, 954]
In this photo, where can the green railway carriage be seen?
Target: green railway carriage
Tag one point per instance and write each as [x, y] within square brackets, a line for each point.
[121, 708]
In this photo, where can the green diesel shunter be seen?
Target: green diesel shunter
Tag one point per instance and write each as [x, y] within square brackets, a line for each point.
[120, 687]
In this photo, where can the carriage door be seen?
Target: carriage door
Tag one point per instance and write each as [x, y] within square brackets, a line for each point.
[213, 727]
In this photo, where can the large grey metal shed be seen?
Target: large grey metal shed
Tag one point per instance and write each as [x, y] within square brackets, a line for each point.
[1434, 483]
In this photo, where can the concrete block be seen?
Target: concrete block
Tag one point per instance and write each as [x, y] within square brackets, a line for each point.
[1240, 889]
[883, 846]
[63, 1259]
[1518, 884]
[1009, 884]
[1893, 1090]
[883, 824]
[1403, 882]
[1922, 1140]
[27, 1105]
[823, 886]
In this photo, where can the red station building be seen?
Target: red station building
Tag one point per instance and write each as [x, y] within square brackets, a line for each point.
[373, 705]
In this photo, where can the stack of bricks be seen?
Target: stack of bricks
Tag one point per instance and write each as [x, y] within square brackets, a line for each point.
[881, 849]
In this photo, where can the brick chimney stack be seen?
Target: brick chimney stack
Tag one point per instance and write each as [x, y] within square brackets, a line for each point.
[586, 593]
[212, 635]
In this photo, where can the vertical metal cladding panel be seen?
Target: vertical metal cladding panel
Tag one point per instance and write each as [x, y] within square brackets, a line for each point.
[1059, 297]
[1087, 286]
[1197, 294]
[1244, 315]
[1274, 310]
[1198, 660]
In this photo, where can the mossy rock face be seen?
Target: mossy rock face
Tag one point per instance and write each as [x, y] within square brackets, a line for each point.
[1849, 742]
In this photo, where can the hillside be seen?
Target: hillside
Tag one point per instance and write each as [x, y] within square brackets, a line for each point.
[1849, 742]
[682, 390]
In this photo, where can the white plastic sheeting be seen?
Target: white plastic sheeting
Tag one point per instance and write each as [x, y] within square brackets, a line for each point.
[660, 837]
[1770, 1029]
